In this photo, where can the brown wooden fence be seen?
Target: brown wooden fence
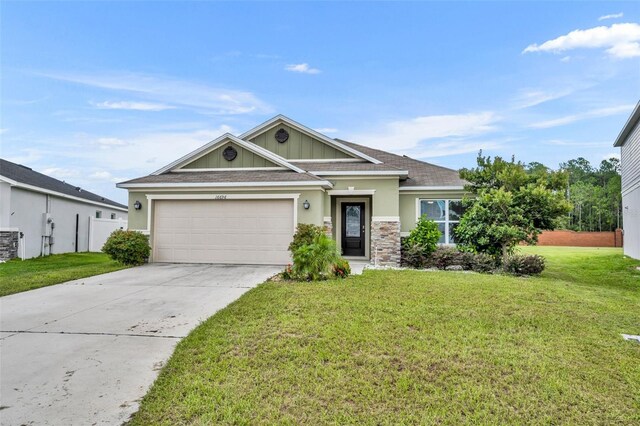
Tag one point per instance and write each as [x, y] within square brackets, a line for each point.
[581, 239]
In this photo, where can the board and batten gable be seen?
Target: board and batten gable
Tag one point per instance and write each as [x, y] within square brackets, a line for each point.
[630, 164]
[215, 159]
[299, 146]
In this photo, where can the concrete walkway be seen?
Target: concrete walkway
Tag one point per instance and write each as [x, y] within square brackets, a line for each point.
[85, 352]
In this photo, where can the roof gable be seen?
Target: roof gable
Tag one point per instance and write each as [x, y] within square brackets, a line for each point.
[216, 159]
[224, 141]
[303, 143]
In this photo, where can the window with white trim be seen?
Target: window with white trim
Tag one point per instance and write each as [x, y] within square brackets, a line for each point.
[113, 215]
[98, 214]
[446, 213]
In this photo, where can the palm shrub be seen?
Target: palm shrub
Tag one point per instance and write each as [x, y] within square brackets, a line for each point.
[314, 261]
[127, 247]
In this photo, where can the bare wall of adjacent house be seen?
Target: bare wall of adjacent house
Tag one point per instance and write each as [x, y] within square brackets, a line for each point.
[25, 213]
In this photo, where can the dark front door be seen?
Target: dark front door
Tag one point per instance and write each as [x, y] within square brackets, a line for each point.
[353, 229]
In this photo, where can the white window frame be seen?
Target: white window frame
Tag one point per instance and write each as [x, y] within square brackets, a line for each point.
[98, 214]
[446, 221]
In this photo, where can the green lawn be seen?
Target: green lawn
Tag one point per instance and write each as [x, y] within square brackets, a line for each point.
[408, 347]
[22, 275]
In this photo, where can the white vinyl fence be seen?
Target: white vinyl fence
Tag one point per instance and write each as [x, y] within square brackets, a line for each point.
[100, 229]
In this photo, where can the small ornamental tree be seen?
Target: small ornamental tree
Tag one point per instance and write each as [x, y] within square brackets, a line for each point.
[513, 204]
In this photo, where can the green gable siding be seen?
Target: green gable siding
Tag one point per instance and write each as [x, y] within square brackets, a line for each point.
[215, 160]
[299, 146]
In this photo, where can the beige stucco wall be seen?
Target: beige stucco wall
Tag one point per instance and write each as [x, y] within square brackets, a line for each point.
[408, 205]
[138, 218]
[385, 199]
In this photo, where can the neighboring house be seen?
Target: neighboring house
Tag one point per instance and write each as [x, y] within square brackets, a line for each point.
[40, 215]
[629, 142]
[238, 199]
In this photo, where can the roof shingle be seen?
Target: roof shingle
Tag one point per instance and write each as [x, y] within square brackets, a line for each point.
[27, 176]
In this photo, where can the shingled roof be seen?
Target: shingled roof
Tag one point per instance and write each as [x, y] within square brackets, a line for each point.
[420, 173]
[227, 176]
[27, 176]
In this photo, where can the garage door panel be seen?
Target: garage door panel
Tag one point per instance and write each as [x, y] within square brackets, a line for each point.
[223, 231]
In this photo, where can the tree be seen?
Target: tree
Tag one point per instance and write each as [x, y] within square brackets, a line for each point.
[513, 203]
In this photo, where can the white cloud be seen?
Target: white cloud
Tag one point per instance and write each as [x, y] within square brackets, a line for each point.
[2, 131]
[106, 143]
[532, 97]
[100, 175]
[60, 172]
[326, 130]
[594, 113]
[565, 58]
[560, 142]
[171, 91]
[611, 16]
[303, 68]
[408, 134]
[619, 41]
[132, 105]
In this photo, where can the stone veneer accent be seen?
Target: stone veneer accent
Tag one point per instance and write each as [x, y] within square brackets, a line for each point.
[328, 227]
[385, 243]
[8, 244]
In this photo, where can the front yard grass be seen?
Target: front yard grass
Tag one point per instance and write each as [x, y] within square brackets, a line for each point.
[22, 275]
[410, 347]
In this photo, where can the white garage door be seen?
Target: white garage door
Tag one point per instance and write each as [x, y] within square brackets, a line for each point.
[223, 231]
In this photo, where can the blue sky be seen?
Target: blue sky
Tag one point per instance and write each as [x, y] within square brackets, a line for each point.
[95, 93]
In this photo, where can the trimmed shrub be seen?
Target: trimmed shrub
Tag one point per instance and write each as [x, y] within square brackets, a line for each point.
[127, 247]
[444, 256]
[523, 264]
[341, 269]
[425, 235]
[414, 257]
[305, 235]
[483, 263]
[314, 261]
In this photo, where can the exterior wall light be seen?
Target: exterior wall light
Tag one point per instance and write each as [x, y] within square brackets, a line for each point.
[137, 205]
[306, 205]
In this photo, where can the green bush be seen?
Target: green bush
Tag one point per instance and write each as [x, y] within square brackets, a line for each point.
[341, 269]
[414, 257]
[305, 235]
[444, 257]
[425, 235]
[314, 261]
[483, 263]
[127, 247]
[523, 264]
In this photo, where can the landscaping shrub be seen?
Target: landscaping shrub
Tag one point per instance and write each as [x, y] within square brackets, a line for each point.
[341, 269]
[127, 247]
[305, 235]
[483, 263]
[425, 236]
[444, 256]
[523, 264]
[314, 261]
[287, 274]
[414, 256]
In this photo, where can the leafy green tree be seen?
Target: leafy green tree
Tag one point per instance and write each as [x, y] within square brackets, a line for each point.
[512, 204]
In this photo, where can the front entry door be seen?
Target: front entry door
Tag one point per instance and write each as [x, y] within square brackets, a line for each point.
[353, 235]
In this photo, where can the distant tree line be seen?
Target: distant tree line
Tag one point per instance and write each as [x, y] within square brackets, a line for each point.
[594, 193]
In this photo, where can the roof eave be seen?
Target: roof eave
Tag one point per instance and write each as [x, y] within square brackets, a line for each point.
[628, 127]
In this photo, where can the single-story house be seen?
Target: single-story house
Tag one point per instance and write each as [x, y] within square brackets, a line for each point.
[238, 199]
[629, 142]
[40, 215]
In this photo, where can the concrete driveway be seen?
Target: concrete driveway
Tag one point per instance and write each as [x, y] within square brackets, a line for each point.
[85, 352]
